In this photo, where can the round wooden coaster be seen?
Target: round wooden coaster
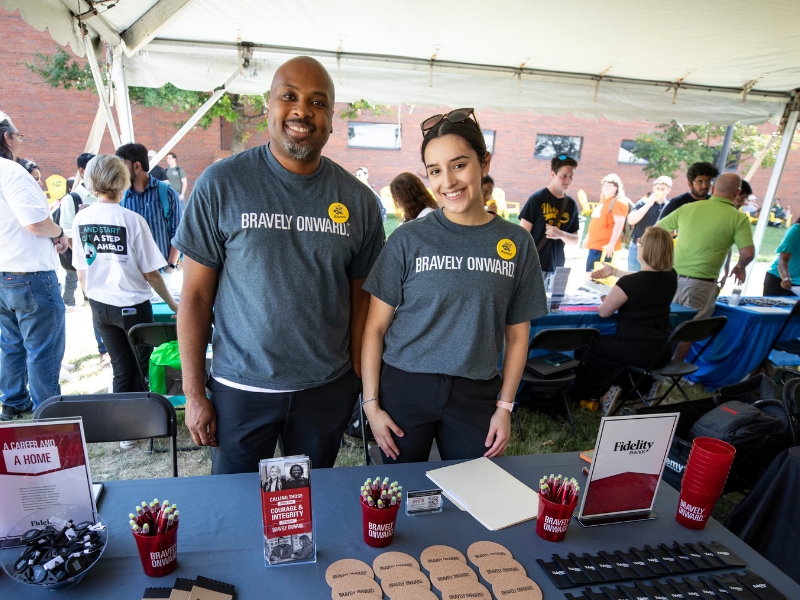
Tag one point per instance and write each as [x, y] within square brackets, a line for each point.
[403, 577]
[498, 568]
[413, 593]
[390, 560]
[517, 588]
[436, 555]
[345, 568]
[480, 552]
[466, 589]
[356, 586]
[449, 572]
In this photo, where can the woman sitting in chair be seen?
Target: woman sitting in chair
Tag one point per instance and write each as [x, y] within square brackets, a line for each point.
[117, 262]
[642, 302]
[411, 197]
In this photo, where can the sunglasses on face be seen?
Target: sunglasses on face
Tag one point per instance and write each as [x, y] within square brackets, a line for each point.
[454, 116]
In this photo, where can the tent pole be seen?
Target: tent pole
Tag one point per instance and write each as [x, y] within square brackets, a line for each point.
[759, 159]
[793, 109]
[193, 120]
[722, 159]
[123, 99]
[101, 90]
[95, 137]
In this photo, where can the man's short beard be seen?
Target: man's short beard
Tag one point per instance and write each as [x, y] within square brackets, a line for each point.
[297, 151]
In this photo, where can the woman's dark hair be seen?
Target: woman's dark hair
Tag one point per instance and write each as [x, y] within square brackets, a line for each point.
[467, 130]
[410, 195]
[487, 179]
[5, 127]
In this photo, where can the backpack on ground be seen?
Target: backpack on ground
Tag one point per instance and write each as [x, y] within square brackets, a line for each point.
[66, 257]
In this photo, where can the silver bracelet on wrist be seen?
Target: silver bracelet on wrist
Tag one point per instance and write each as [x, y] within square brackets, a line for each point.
[363, 402]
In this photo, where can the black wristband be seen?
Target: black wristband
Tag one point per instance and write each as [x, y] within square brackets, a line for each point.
[60, 235]
[171, 266]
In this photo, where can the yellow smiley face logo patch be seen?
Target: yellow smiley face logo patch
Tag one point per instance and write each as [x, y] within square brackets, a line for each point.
[338, 212]
[506, 249]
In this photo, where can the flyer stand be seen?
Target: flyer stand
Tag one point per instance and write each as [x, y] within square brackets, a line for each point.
[629, 459]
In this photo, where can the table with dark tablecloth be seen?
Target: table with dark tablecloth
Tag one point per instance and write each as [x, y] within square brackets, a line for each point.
[221, 534]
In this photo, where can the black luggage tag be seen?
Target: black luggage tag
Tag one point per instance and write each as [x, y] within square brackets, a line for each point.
[667, 560]
[694, 556]
[556, 574]
[632, 592]
[614, 593]
[669, 591]
[588, 568]
[637, 564]
[715, 561]
[568, 596]
[704, 590]
[759, 586]
[573, 571]
[652, 561]
[592, 595]
[605, 567]
[736, 589]
[728, 557]
[652, 592]
[622, 566]
[684, 588]
[682, 558]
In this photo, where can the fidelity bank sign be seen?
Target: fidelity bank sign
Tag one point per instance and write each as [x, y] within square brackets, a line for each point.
[631, 447]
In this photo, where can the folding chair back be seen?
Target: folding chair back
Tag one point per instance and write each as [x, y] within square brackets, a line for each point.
[564, 340]
[118, 417]
[698, 329]
[146, 336]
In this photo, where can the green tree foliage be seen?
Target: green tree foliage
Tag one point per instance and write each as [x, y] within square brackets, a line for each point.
[62, 70]
[673, 147]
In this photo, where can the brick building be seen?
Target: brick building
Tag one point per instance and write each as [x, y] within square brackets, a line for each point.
[56, 124]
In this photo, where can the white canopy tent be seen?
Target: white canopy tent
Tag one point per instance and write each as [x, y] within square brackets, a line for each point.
[693, 61]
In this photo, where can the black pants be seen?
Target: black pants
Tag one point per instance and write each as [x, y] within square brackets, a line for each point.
[309, 422]
[772, 286]
[454, 410]
[608, 358]
[113, 328]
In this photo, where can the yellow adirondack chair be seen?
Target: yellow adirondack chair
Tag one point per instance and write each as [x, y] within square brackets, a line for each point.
[505, 208]
[56, 188]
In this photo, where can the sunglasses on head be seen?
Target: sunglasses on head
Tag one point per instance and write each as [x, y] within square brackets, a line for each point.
[454, 116]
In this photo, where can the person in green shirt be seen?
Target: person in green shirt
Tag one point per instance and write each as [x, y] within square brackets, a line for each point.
[706, 231]
[785, 271]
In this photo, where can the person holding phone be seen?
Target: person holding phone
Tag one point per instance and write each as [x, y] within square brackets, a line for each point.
[642, 303]
[117, 262]
[448, 292]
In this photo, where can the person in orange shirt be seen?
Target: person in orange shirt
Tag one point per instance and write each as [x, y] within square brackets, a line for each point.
[608, 221]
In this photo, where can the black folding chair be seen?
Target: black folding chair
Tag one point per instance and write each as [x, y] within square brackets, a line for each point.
[791, 346]
[688, 331]
[558, 340]
[118, 417]
[144, 337]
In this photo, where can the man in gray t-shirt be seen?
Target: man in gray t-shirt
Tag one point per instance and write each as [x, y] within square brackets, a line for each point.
[278, 241]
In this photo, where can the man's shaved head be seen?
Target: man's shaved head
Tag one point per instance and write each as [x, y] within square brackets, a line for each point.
[727, 186]
[304, 66]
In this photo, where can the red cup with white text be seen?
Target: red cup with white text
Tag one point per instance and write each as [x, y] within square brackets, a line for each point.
[553, 519]
[158, 553]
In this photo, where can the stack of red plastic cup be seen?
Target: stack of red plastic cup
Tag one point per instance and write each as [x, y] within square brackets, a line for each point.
[703, 480]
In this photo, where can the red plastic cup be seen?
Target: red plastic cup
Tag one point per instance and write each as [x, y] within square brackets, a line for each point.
[158, 553]
[695, 509]
[706, 475]
[720, 462]
[378, 524]
[712, 448]
[705, 490]
[553, 519]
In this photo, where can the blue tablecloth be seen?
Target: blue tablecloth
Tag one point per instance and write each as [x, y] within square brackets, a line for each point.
[220, 534]
[741, 345]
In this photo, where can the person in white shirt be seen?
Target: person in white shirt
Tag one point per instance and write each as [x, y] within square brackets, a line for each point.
[32, 331]
[117, 262]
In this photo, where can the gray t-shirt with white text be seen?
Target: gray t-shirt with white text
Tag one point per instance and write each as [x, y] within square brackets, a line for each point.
[456, 288]
[286, 247]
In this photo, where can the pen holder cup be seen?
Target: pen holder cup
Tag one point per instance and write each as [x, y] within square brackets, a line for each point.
[553, 519]
[158, 553]
[378, 524]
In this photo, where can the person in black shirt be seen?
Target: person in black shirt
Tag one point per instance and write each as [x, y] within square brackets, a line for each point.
[642, 302]
[701, 176]
[543, 208]
[156, 171]
[644, 214]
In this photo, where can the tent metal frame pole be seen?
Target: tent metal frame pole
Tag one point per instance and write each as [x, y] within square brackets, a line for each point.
[95, 137]
[123, 100]
[193, 120]
[774, 181]
[722, 159]
[759, 159]
[101, 90]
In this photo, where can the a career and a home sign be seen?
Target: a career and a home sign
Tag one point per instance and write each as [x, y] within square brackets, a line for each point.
[44, 464]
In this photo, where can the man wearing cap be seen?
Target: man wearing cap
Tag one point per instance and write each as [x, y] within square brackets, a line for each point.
[32, 331]
[277, 240]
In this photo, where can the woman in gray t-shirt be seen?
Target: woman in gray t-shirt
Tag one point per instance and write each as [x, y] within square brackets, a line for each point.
[449, 291]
